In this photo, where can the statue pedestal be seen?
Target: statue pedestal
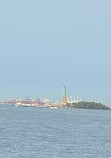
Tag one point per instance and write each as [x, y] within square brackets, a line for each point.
[64, 101]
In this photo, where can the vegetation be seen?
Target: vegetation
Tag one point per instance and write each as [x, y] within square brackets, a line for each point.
[88, 105]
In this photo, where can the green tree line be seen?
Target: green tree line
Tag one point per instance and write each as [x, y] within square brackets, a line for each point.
[88, 105]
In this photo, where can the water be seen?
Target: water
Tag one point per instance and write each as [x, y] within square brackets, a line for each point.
[54, 133]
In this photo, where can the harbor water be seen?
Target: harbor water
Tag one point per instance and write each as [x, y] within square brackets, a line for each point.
[30, 132]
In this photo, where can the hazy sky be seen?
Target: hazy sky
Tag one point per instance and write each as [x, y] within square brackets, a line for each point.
[45, 43]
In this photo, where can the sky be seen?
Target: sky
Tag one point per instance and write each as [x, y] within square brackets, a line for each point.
[45, 44]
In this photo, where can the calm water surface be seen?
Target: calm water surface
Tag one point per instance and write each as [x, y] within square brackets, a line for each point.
[54, 133]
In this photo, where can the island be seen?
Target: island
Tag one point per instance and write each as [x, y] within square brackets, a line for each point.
[88, 105]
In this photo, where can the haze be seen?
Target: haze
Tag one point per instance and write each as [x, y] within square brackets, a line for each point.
[44, 44]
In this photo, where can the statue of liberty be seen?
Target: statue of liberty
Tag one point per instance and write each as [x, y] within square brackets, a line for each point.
[64, 90]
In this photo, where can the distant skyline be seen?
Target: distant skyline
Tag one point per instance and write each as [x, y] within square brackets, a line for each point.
[45, 44]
